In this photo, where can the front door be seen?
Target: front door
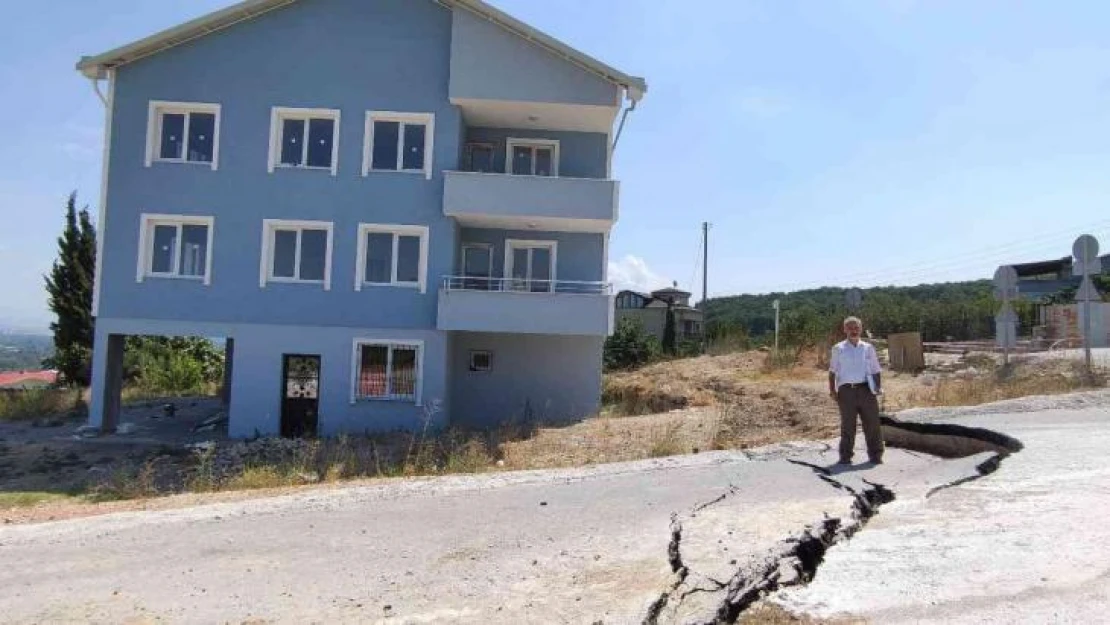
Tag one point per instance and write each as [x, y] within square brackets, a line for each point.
[300, 395]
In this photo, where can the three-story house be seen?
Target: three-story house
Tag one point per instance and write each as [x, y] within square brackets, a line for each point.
[391, 210]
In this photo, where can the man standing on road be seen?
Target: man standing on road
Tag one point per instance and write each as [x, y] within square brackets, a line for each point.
[855, 381]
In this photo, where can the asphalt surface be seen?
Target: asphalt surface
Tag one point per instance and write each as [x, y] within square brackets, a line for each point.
[1026, 544]
[596, 544]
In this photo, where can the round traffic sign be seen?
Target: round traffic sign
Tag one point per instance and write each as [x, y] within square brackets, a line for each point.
[1085, 248]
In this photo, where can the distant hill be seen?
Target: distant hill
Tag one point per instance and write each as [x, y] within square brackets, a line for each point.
[20, 352]
[960, 310]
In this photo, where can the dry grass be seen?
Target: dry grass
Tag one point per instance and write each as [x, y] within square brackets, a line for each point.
[23, 405]
[26, 499]
[767, 613]
[996, 383]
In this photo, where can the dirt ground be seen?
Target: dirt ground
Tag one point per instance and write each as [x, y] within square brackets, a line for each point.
[733, 401]
[48, 456]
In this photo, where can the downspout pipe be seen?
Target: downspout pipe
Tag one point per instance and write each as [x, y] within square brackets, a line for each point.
[624, 117]
[96, 87]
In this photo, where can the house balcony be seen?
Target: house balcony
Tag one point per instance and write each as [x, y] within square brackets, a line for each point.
[513, 305]
[492, 200]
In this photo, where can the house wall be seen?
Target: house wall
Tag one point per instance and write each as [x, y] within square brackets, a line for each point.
[488, 62]
[257, 383]
[578, 255]
[354, 55]
[581, 154]
[654, 320]
[1065, 321]
[651, 319]
[554, 379]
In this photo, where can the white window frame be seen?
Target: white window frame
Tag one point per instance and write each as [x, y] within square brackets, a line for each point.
[512, 244]
[156, 109]
[515, 142]
[356, 362]
[472, 368]
[266, 267]
[397, 231]
[279, 114]
[426, 119]
[147, 222]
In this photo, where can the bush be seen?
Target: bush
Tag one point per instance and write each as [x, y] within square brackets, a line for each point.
[630, 346]
[172, 365]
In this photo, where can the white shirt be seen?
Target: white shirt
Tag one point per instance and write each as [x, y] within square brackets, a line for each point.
[853, 363]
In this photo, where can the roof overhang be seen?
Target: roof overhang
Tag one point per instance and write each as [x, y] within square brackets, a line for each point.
[96, 66]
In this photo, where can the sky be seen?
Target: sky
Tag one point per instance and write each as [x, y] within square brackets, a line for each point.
[827, 142]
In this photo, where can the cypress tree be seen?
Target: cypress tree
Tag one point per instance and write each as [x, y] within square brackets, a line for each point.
[669, 339]
[70, 287]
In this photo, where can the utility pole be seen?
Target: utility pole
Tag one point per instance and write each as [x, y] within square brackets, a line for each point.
[704, 282]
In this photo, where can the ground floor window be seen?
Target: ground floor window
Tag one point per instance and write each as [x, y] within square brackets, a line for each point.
[481, 360]
[388, 370]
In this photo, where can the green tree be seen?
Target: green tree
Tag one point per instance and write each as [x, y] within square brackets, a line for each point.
[70, 288]
[630, 346]
[669, 339]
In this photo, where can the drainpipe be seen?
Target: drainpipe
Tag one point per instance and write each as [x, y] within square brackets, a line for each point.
[635, 97]
[96, 87]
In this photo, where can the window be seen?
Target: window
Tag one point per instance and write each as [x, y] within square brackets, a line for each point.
[183, 132]
[530, 265]
[479, 157]
[304, 139]
[175, 246]
[392, 255]
[387, 370]
[477, 266]
[296, 251]
[481, 361]
[532, 157]
[398, 142]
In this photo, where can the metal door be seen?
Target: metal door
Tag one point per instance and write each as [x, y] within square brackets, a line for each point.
[300, 394]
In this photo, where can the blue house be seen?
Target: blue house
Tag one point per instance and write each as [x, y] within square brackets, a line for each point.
[394, 211]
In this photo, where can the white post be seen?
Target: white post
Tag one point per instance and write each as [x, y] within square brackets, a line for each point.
[1087, 263]
[775, 305]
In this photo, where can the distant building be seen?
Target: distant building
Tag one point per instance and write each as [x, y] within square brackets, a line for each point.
[1044, 278]
[650, 309]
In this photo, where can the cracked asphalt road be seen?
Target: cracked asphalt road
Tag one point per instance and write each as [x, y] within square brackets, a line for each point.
[1028, 543]
[545, 546]
[564, 546]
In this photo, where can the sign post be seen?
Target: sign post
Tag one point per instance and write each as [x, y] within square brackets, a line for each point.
[775, 305]
[854, 298]
[1087, 263]
[1005, 322]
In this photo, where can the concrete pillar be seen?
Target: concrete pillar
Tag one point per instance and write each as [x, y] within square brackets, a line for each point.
[107, 381]
[229, 358]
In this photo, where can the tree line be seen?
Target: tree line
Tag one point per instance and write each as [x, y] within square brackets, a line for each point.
[946, 311]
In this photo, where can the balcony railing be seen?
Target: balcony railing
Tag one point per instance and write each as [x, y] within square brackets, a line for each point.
[524, 285]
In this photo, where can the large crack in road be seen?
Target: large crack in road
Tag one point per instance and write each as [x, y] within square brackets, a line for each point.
[795, 560]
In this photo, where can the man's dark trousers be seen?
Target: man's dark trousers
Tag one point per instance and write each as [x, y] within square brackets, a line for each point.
[857, 399]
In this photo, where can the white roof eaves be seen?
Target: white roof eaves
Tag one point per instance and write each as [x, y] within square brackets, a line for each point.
[94, 66]
[635, 85]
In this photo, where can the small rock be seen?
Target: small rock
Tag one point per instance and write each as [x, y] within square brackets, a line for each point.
[500, 463]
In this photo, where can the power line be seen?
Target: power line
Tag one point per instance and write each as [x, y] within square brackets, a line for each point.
[1004, 252]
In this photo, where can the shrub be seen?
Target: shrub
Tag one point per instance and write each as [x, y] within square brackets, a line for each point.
[630, 346]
